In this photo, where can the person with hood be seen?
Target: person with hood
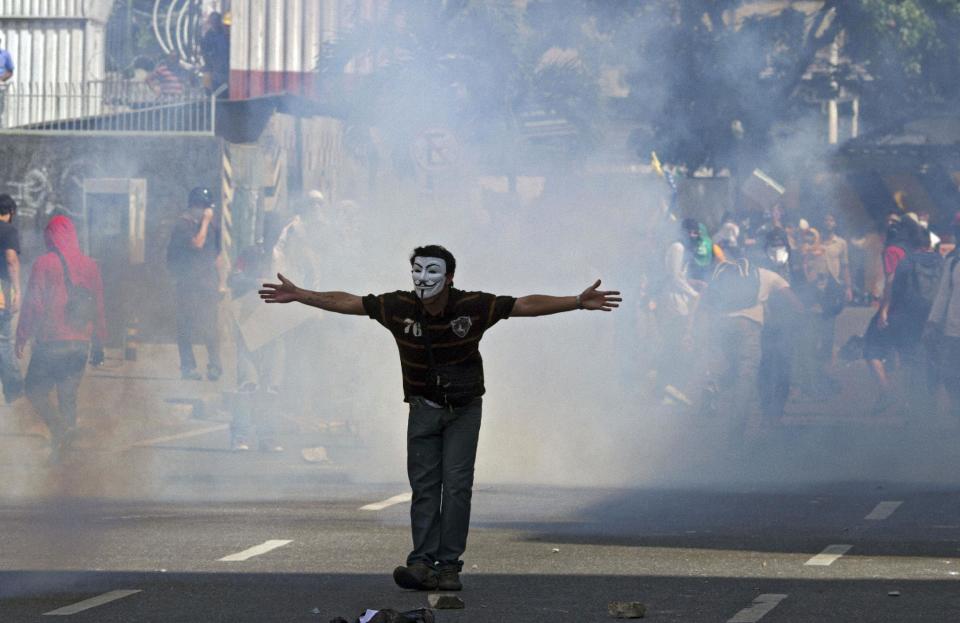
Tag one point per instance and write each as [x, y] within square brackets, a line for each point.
[62, 312]
[702, 253]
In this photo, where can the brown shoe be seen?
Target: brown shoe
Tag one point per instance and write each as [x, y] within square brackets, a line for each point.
[417, 577]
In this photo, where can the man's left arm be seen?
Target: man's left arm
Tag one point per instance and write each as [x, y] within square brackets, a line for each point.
[13, 270]
[543, 305]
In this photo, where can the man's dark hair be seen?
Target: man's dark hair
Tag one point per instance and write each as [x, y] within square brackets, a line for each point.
[776, 237]
[435, 250]
[7, 205]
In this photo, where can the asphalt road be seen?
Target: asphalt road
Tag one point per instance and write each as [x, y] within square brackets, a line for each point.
[824, 552]
[837, 515]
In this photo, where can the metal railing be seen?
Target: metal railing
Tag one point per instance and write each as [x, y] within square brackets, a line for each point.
[106, 106]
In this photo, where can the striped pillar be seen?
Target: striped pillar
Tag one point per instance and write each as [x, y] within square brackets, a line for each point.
[226, 200]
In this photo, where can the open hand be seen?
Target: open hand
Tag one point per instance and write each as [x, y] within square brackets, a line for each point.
[604, 300]
[283, 292]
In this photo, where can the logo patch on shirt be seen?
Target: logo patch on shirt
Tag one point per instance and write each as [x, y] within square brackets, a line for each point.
[461, 326]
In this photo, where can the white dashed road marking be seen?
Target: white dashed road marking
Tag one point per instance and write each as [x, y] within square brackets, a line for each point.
[397, 499]
[93, 602]
[190, 433]
[828, 556]
[760, 607]
[256, 550]
[883, 510]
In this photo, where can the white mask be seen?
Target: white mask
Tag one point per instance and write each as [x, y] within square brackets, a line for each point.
[429, 276]
[779, 255]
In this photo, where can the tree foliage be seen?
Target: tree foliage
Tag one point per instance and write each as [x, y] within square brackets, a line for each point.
[912, 48]
[710, 81]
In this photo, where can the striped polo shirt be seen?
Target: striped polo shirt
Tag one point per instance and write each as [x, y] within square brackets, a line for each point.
[454, 334]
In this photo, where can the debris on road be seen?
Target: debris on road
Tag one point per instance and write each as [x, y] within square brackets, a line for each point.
[555, 550]
[445, 601]
[626, 609]
[893, 594]
[315, 455]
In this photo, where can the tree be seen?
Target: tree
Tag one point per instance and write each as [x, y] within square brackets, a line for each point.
[721, 83]
[911, 48]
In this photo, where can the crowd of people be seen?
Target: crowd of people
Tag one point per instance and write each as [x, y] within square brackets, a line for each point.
[747, 316]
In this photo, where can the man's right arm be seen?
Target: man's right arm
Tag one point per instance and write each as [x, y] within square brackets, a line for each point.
[339, 302]
[287, 292]
[200, 238]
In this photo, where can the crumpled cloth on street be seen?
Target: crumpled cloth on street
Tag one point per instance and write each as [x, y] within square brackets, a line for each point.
[421, 615]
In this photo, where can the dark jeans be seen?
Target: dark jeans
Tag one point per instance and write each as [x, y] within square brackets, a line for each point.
[826, 336]
[197, 321]
[441, 450]
[60, 366]
[776, 366]
[10, 374]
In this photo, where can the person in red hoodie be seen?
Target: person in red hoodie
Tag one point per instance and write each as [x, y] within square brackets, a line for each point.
[62, 312]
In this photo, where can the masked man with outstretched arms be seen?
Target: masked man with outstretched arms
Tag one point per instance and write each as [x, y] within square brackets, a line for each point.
[438, 329]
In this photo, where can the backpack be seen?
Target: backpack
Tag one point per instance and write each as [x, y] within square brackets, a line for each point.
[734, 286]
[81, 304]
[920, 283]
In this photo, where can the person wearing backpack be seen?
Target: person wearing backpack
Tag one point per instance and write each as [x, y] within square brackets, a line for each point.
[912, 292]
[62, 312]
